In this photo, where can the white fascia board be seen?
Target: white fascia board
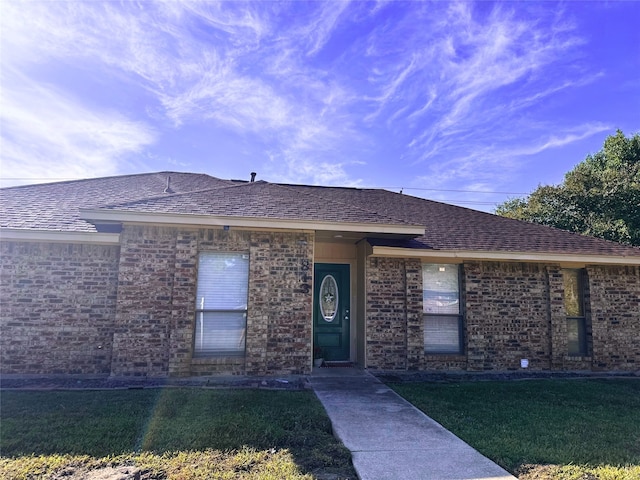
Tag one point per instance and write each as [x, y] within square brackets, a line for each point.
[461, 255]
[245, 222]
[56, 236]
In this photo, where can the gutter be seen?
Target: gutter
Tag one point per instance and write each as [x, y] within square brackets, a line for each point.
[198, 220]
[57, 236]
[458, 256]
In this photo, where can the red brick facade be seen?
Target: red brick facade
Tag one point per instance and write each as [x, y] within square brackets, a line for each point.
[512, 311]
[615, 317]
[129, 309]
[57, 304]
[156, 311]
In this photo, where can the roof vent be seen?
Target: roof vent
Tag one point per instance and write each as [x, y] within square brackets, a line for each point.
[168, 187]
[253, 176]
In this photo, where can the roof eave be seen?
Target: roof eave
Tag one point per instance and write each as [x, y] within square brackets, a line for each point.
[457, 256]
[124, 216]
[57, 236]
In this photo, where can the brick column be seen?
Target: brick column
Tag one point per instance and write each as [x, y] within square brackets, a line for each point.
[415, 324]
[557, 317]
[386, 314]
[183, 304]
[143, 311]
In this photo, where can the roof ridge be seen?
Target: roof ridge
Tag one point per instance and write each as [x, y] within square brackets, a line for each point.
[321, 186]
[128, 175]
[166, 195]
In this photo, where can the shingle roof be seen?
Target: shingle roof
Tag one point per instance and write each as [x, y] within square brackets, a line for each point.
[260, 200]
[449, 227]
[56, 207]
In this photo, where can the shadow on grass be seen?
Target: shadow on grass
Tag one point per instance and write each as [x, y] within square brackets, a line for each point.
[108, 423]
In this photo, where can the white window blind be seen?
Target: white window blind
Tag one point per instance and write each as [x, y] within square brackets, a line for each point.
[442, 334]
[441, 307]
[221, 304]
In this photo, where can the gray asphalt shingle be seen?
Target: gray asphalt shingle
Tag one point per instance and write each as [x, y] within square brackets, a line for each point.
[56, 206]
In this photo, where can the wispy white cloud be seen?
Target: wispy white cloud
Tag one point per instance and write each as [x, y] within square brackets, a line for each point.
[390, 88]
[46, 134]
[319, 86]
[573, 135]
[496, 164]
[201, 62]
[320, 29]
[481, 66]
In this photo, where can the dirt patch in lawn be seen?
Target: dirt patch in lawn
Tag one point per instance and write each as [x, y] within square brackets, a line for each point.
[104, 473]
[554, 472]
[536, 472]
[134, 473]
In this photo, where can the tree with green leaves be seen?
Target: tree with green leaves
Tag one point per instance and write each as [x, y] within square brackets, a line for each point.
[599, 197]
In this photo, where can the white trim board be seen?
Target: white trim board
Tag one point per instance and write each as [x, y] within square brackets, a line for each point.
[457, 256]
[56, 236]
[97, 215]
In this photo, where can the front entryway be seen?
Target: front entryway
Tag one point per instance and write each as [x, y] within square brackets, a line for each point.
[331, 311]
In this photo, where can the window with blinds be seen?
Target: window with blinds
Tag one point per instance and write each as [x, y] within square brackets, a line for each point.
[221, 304]
[441, 308]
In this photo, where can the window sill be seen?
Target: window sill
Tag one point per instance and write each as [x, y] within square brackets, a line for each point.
[210, 355]
[440, 356]
[219, 360]
[578, 358]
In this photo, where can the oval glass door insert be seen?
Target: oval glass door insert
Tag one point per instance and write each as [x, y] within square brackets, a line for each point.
[329, 298]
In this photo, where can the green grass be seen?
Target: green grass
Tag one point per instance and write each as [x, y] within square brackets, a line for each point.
[579, 429]
[246, 433]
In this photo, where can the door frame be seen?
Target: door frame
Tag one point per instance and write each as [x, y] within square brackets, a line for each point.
[344, 305]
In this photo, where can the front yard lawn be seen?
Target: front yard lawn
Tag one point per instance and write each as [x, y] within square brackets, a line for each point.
[542, 429]
[168, 433]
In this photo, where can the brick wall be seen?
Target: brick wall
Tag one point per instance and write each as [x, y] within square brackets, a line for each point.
[507, 315]
[144, 310]
[287, 305]
[156, 302]
[279, 313]
[512, 311]
[130, 310]
[506, 307]
[57, 307]
[394, 336]
[615, 317]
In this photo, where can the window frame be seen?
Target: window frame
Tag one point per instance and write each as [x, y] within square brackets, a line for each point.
[459, 316]
[582, 349]
[201, 313]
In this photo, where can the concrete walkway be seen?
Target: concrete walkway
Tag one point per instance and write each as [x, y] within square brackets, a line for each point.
[389, 438]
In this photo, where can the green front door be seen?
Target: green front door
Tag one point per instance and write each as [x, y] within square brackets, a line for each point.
[331, 311]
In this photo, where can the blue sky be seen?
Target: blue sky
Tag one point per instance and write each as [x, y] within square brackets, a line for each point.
[465, 102]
